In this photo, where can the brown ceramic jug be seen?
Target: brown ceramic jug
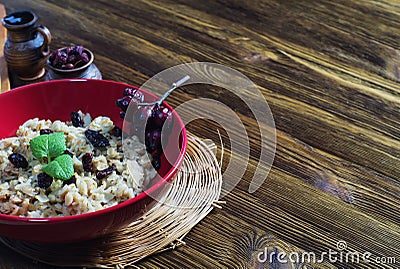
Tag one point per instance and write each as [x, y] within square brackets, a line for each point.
[27, 45]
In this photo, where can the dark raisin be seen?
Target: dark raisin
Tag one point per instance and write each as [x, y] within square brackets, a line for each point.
[76, 119]
[69, 153]
[96, 139]
[72, 180]
[44, 180]
[106, 172]
[46, 131]
[87, 162]
[116, 131]
[85, 57]
[123, 103]
[135, 94]
[18, 160]
[122, 114]
[156, 162]
[68, 66]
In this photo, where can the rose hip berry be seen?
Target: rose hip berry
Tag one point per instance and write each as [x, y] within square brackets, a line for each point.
[106, 172]
[18, 160]
[69, 58]
[46, 131]
[96, 139]
[156, 162]
[76, 119]
[87, 162]
[68, 153]
[72, 180]
[44, 180]
[116, 131]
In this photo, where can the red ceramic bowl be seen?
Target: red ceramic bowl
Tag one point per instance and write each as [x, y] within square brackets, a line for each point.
[55, 100]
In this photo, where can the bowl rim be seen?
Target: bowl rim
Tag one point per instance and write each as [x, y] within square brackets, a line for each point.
[59, 70]
[164, 180]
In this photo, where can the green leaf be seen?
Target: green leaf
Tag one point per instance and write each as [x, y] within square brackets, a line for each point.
[39, 146]
[56, 144]
[62, 167]
[49, 146]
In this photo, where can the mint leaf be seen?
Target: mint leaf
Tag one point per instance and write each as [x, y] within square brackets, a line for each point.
[50, 146]
[62, 167]
[39, 146]
[56, 144]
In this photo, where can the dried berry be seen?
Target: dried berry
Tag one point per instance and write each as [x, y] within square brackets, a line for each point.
[69, 58]
[153, 140]
[135, 94]
[85, 57]
[68, 66]
[122, 114]
[69, 153]
[116, 131]
[96, 139]
[156, 162]
[46, 131]
[78, 50]
[87, 162]
[106, 172]
[18, 160]
[72, 180]
[44, 180]
[76, 119]
[124, 102]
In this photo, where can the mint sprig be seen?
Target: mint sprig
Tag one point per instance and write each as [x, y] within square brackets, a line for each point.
[53, 146]
[49, 145]
[62, 167]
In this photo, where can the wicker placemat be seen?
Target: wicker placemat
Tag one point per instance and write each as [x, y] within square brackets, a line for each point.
[194, 193]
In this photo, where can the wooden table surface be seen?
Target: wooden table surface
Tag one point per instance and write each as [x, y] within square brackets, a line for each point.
[330, 71]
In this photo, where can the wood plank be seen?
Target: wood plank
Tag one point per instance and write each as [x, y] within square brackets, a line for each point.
[4, 79]
[330, 71]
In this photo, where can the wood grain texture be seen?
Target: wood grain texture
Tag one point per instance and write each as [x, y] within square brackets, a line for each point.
[4, 80]
[330, 71]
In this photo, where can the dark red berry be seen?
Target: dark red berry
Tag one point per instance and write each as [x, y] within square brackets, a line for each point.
[122, 114]
[87, 162]
[44, 180]
[69, 58]
[135, 94]
[79, 49]
[96, 139]
[69, 153]
[72, 180]
[46, 131]
[124, 102]
[116, 131]
[72, 58]
[68, 66]
[18, 160]
[128, 92]
[153, 140]
[76, 119]
[156, 162]
[63, 57]
[85, 57]
[106, 172]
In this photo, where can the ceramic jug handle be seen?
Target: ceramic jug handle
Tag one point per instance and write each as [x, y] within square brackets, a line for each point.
[47, 39]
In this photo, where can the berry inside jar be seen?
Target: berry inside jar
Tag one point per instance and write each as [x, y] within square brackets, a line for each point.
[70, 58]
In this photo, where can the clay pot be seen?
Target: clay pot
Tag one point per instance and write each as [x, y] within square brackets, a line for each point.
[27, 45]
